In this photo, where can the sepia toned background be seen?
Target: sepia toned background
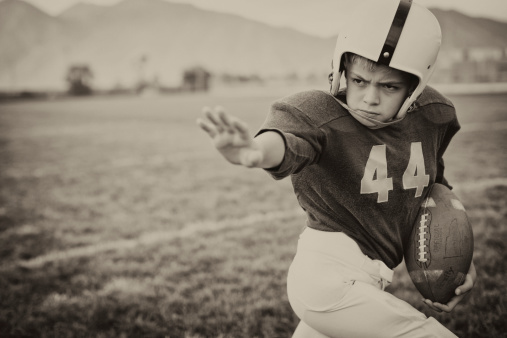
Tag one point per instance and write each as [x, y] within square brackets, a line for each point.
[119, 219]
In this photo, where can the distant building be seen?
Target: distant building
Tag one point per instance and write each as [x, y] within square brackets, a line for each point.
[469, 65]
[195, 79]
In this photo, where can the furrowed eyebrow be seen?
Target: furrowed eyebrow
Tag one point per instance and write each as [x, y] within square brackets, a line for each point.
[392, 83]
[381, 83]
[358, 76]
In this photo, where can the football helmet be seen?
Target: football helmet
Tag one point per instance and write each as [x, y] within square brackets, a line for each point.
[397, 33]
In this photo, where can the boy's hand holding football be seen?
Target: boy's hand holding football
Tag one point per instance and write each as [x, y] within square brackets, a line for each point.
[461, 292]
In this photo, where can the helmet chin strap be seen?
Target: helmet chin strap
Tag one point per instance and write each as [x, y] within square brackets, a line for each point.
[366, 120]
[359, 115]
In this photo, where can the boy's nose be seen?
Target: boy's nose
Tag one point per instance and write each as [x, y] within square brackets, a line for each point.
[371, 96]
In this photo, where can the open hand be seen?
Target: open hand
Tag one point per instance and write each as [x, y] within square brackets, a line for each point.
[461, 292]
[231, 137]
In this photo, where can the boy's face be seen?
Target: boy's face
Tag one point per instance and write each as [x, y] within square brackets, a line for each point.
[378, 93]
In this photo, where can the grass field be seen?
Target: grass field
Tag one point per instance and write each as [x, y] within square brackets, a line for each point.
[118, 219]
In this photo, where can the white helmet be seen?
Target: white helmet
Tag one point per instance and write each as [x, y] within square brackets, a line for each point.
[396, 33]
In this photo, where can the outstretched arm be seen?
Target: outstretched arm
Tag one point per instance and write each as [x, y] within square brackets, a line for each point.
[232, 139]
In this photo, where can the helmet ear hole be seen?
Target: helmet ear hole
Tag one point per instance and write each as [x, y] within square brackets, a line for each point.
[414, 82]
[343, 63]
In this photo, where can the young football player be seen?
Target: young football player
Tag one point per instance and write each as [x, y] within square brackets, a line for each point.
[361, 160]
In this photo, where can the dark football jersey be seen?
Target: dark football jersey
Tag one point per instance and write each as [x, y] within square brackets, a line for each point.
[366, 183]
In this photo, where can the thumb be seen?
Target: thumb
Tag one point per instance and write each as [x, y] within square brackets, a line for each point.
[252, 158]
[466, 286]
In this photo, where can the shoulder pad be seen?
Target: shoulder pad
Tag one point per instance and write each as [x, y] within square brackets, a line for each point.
[431, 96]
[435, 107]
[320, 107]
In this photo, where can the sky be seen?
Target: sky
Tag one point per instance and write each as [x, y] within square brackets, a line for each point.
[317, 17]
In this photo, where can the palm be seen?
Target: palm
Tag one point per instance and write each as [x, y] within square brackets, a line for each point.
[234, 148]
[231, 138]
[232, 141]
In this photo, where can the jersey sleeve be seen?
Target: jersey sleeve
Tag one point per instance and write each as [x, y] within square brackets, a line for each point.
[441, 112]
[303, 140]
[452, 128]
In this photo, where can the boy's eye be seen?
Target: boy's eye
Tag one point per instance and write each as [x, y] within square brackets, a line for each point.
[358, 81]
[390, 87]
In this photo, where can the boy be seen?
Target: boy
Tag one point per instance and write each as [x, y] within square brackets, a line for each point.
[361, 161]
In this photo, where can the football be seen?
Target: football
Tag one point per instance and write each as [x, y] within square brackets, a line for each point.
[440, 249]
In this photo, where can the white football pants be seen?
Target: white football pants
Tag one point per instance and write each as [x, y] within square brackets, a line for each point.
[337, 291]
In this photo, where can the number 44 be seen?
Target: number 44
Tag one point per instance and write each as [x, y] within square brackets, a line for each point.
[414, 177]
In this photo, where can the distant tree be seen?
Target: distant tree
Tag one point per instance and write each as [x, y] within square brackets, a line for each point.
[79, 78]
[241, 78]
[140, 65]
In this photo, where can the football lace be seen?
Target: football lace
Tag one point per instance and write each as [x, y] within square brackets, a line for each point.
[422, 238]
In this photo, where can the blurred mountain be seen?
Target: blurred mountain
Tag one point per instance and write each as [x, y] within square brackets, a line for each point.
[157, 40]
[146, 39]
[31, 44]
[461, 31]
[82, 12]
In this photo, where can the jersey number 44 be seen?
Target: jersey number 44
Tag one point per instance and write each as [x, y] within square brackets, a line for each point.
[375, 178]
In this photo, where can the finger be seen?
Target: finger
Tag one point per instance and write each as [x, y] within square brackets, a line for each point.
[219, 109]
[452, 303]
[205, 109]
[445, 307]
[466, 287]
[242, 129]
[226, 121]
[211, 130]
[431, 305]
[210, 115]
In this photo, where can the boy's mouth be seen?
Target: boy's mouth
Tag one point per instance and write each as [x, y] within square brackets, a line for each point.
[370, 113]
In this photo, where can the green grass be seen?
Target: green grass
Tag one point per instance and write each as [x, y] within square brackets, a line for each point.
[117, 218]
